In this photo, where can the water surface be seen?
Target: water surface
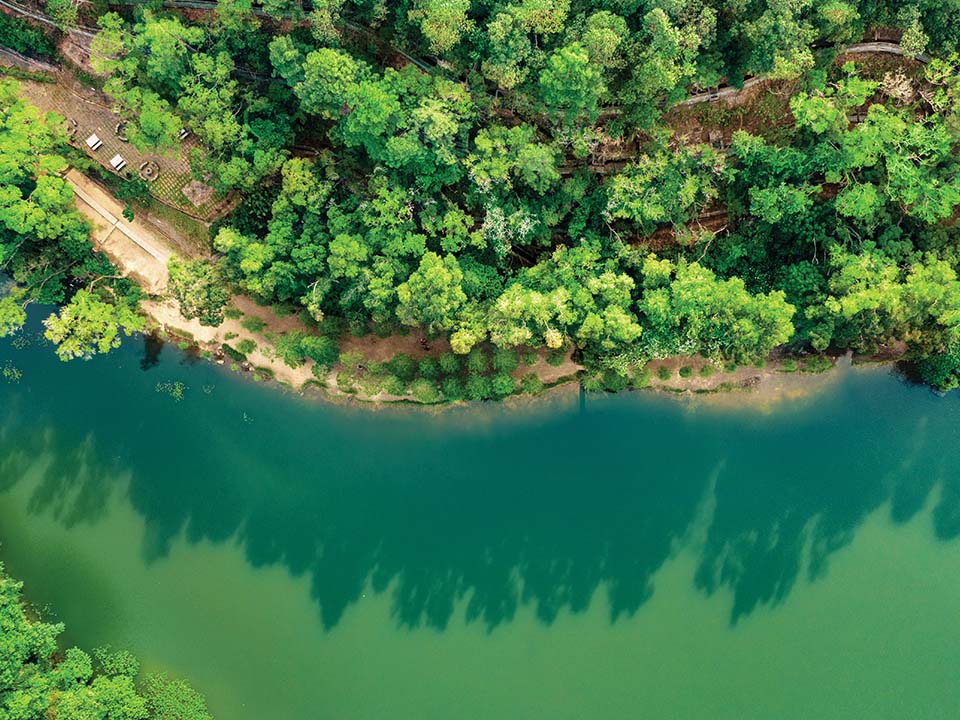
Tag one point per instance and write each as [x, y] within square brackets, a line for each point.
[627, 556]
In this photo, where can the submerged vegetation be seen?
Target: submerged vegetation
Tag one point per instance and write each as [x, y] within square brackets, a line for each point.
[37, 680]
[517, 176]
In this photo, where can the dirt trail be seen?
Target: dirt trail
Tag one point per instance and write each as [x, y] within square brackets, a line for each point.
[142, 254]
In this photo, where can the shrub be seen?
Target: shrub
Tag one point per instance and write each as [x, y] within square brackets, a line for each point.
[503, 384]
[641, 377]
[730, 367]
[663, 372]
[232, 313]
[505, 360]
[531, 383]
[706, 371]
[424, 391]
[555, 358]
[449, 363]
[246, 346]
[452, 388]
[429, 368]
[403, 366]
[322, 350]
[789, 365]
[614, 381]
[816, 364]
[529, 357]
[233, 354]
[686, 371]
[392, 385]
[479, 388]
[253, 324]
[477, 361]
[289, 348]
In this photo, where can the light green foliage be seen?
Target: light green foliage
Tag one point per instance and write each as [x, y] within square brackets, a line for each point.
[88, 325]
[433, 294]
[666, 187]
[503, 157]
[691, 311]
[442, 22]
[199, 288]
[34, 685]
[571, 85]
[12, 315]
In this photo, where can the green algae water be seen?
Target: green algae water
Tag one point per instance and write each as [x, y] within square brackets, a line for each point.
[601, 557]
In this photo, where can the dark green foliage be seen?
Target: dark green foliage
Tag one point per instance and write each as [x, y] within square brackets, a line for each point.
[505, 360]
[403, 366]
[479, 388]
[531, 384]
[663, 372]
[502, 384]
[453, 388]
[686, 372]
[18, 34]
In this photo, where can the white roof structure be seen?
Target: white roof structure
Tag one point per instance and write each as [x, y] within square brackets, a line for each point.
[118, 163]
[93, 142]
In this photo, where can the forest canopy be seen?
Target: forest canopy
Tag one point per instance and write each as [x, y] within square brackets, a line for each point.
[522, 174]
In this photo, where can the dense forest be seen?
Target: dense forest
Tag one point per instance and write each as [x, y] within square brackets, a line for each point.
[37, 680]
[518, 175]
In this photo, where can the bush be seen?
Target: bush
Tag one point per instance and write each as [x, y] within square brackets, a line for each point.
[730, 367]
[403, 366]
[789, 365]
[530, 357]
[392, 385]
[942, 370]
[614, 381]
[686, 371]
[322, 350]
[289, 348]
[531, 383]
[503, 384]
[246, 346]
[641, 377]
[424, 391]
[429, 368]
[253, 324]
[449, 363]
[233, 354]
[555, 358]
[816, 364]
[232, 313]
[663, 372]
[505, 360]
[706, 371]
[452, 389]
[477, 361]
[479, 388]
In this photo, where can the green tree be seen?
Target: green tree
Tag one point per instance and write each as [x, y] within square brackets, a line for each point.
[199, 288]
[433, 294]
[87, 325]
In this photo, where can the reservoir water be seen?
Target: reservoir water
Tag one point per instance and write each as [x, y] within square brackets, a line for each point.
[625, 556]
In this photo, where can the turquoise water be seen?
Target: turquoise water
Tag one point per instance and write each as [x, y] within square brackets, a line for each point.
[611, 557]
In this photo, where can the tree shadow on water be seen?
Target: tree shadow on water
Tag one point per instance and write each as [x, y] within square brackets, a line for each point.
[553, 517]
